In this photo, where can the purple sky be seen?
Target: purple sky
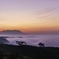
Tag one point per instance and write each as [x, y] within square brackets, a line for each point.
[29, 15]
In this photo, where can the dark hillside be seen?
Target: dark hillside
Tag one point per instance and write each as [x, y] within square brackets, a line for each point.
[32, 51]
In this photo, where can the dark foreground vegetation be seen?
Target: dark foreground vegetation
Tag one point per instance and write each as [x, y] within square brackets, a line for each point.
[28, 52]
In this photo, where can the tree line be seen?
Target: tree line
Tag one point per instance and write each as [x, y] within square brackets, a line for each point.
[20, 43]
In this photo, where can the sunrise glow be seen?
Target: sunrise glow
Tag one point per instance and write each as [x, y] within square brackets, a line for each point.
[29, 15]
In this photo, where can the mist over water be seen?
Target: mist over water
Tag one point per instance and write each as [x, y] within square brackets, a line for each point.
[48, 40]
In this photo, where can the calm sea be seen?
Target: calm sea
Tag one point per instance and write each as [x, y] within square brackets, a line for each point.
[48, 40]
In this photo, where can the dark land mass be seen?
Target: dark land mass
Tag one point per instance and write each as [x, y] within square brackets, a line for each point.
[31, 51]
[3, 40]
[14, 32]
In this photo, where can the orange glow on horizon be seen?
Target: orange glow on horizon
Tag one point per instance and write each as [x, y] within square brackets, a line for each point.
[29, 29]
[29, 16]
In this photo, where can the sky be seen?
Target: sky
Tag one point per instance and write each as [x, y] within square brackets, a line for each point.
[29, 16]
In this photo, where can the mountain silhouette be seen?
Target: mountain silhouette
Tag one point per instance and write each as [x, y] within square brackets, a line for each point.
[11, 32]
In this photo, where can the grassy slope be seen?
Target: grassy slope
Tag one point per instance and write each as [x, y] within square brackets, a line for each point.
[32, 51]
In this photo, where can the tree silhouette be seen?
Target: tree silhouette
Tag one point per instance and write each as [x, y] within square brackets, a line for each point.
[41, 44]
[20, 43]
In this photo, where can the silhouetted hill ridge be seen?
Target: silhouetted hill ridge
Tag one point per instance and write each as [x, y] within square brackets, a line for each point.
[11, 32]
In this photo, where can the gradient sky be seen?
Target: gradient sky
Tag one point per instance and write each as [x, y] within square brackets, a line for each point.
[29, 16]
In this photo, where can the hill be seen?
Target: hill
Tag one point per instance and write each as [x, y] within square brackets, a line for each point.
[11, 32]
[32, 51]
[3, 40]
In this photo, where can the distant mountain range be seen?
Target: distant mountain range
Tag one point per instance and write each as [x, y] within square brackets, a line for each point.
[11, 32]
